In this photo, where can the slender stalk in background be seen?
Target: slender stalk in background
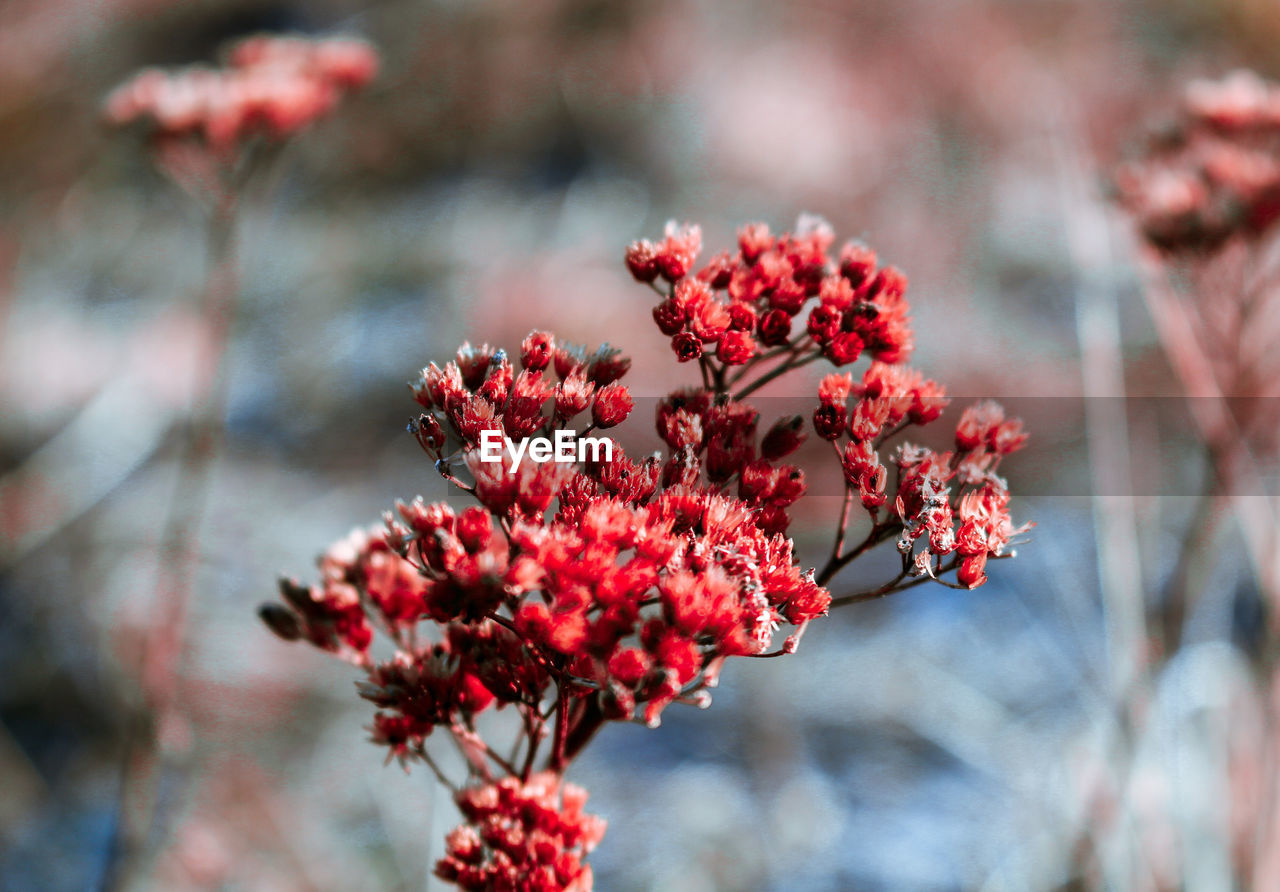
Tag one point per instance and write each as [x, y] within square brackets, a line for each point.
[1115, 524]
[210, 131]
[177, 563]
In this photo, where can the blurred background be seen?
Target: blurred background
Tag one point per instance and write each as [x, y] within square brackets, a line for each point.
[486, 184]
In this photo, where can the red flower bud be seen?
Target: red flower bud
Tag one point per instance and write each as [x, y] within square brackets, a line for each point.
[845, 347]
[475, 527]
[972, 572]
[789, 297]
[678, 251]
[829, 421]
[670, 316]
[754, 240]
[741, 317]
[642, 260]
[824, 322]
[613, 404]
[429, 433]
[682, 428]
[719, 271]
[775, 328]
[736, 348]
[871, 489]
[630, 665]
[536, 351]
[857, 262]
[687, 346]
[607, 366]
[783, 438]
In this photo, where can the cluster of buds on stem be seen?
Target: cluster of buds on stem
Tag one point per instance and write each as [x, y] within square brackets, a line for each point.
[608, 588]
[522, 835]
[932, 491]
[744, 305]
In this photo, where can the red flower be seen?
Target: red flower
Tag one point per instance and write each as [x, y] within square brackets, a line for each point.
[857, 262]
[710, 321]
[843, 348]
[529, 835]
[1219, 178]
[742, 317]
[978, 425]
[642, 260]
[736, 348]
[573, 393]
[671, 316]
[754, 240]
[775, 328]
[537, 350]
[678, 250]
[686, 346]
[824, 322]
[971, 573]
[613, 404]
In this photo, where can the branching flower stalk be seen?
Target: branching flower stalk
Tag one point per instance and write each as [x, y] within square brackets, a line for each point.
[610, 588]
[1205, 197]
[210, 131]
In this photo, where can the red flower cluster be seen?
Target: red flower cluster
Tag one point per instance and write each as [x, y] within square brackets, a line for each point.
[271, 87]
[719, 438]
[1215, 172]
[638, 585]
[529, 836]
[481, 391]
[889, 399]
[743, 304]
[605, 588]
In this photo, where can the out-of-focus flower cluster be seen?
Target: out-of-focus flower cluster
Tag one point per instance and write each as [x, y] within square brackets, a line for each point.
[1214, 172]
[522, 835]
[1208, 197]
[604, 588]
[271, 87]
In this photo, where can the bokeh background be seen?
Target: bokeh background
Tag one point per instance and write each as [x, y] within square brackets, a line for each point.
[486, 184]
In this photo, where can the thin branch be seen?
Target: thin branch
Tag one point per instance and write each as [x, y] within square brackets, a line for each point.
[562, 728]
[776, 372]
[422, 753]
[879, 533]
[843, 531]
